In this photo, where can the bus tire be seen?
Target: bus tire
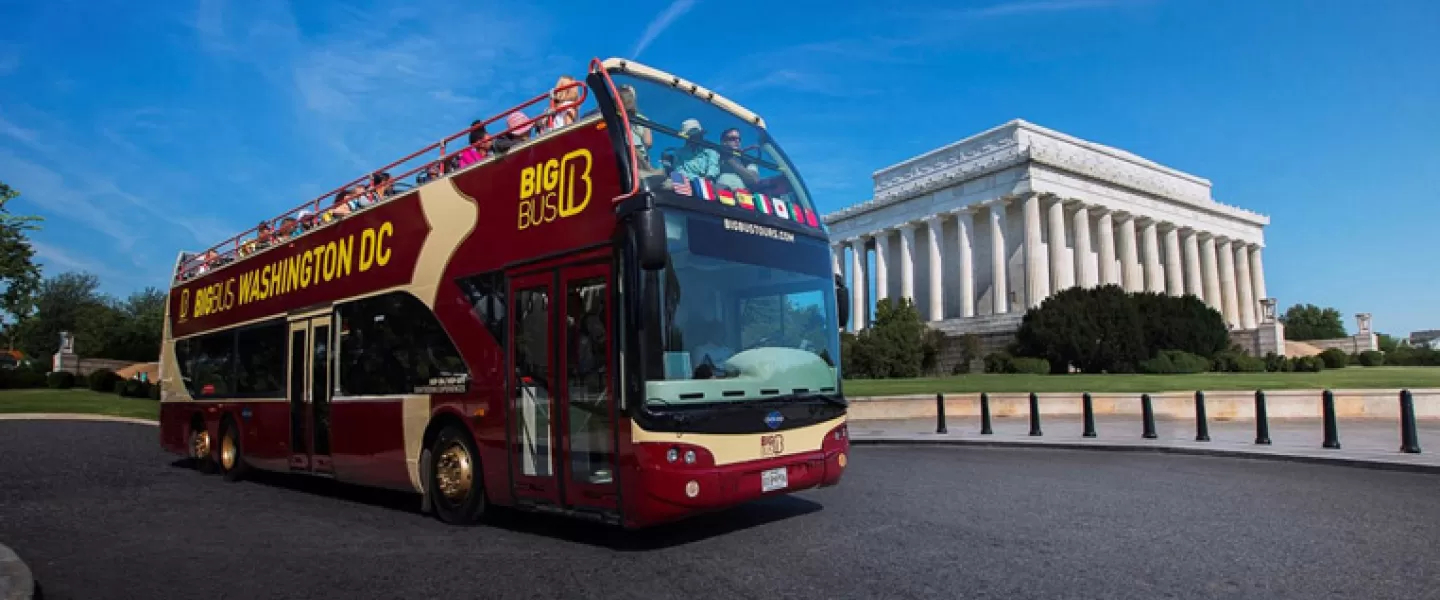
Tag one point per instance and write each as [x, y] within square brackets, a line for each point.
[201, 448]
[453, 478]
[231, 452]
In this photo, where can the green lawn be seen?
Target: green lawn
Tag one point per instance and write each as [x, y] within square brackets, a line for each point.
[1347, 378]
[77, 401]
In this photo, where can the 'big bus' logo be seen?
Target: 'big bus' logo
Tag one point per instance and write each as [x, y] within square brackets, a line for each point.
[555, 189]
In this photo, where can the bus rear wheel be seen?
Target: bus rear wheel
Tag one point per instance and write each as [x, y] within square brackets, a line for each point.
[232, 456]
[455, 483]
[200, 449]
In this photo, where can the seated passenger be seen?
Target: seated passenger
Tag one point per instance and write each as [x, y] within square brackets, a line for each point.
[641, 136]
[340, 207]
[517, 130]
[432, 172]
[381, 187]
[264, 235]
[559, 117]
[736, 171]
[289, 228]
[693, 160]
[479, 146]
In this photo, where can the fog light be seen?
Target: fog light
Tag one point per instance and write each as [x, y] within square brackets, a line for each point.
[842, 460]
[689, 457]
[692, 489]
[672, 455]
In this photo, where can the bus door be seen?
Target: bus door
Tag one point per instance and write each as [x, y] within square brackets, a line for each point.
[562, 410]
[309, 384]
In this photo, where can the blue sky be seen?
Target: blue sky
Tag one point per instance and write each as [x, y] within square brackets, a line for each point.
[142, 129]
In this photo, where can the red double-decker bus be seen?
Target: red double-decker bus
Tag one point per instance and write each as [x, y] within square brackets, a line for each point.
[629, 314]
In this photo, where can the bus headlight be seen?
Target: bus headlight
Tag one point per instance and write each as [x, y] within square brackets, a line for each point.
[689, 457]
[672, 455]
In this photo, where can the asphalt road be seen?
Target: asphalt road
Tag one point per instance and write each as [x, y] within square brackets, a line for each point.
[99, 512]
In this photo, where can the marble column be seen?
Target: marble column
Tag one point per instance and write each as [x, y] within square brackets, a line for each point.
[1257, 274]
[936, 287]
[1243, 282]
[1211, 269]
[1226, 254]
[1174, 276]
[1037, 281]
[1154, 277]
[1000, 291]
[1062, 271]
[907, 261]
[857, 285]
[1084, 264]
[882, 266]
[1194, 284]
[1129, 257]
[1105, 228]
[965, 255]
[837, 251]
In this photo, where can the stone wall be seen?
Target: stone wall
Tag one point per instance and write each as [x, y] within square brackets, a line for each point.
[1354, 344]
[84, 366]
[993, 332]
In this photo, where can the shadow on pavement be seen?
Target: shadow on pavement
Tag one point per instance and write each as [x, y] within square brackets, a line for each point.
[694, 529]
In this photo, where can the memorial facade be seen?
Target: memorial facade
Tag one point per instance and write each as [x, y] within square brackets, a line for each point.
[979, 231]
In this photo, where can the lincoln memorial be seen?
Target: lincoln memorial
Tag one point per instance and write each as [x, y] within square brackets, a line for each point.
[981, 230]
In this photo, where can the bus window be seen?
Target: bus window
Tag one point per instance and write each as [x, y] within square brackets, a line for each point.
[392, 344]
[588, 381]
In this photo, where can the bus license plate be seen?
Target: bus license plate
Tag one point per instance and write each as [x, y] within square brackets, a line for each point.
[774, 479]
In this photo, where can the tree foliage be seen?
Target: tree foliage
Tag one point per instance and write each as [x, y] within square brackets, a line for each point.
[1107, 330]
[1310, 322]
[19, 275]
[103, 327]
[897, 344]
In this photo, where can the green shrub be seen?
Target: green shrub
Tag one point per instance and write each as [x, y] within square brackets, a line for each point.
[1035, 366]
[1309, 364]
[103, 380]
[999, 362]
[1372, 358]
[1352, 359]
[1108, 330]
[1174, 361]
[1274, 363]
[61, 380]
[25, 377]
[1334, 358]
[1235, 361]
[118, 387]
[154, 391]
[134, 388]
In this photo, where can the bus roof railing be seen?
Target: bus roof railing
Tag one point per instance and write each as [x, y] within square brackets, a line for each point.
[228, 251]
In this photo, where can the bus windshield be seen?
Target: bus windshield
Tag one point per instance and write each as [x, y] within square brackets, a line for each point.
[744, 312]
[682, 140]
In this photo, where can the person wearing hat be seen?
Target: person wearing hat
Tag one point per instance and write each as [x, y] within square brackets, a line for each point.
[692, 159]
[517, 130]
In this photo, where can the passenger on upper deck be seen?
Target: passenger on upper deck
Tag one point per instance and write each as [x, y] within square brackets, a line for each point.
[517, 130]
[641, 136]
[479, 146]
[736, 172]
[692, 159]
[561, 117]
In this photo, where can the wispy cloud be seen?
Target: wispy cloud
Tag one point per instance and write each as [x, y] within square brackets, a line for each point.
[54, 256]
[660, 23]
[1025, 7]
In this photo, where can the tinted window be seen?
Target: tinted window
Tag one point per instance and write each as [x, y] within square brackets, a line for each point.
[393, 344]
[212, 364]
[261, 360]
[486, 294]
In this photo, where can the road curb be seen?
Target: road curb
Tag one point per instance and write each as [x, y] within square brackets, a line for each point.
[1300, 458]
[16, 581]
[74, 417]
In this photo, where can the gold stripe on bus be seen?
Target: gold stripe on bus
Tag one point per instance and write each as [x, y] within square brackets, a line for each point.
[731, 448]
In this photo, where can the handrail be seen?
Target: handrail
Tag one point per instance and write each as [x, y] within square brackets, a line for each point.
[226, 251]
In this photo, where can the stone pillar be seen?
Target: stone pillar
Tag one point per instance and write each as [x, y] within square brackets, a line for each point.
[1105, 228]
[1210, 266]
[1129, 256]
[1000, 294]
[1227, 283]
[1037, 283]
[1271, 334]
[965, 255]
[1174, 277]
[1242, 279]
[858, 310]
[837, 251]
[937, 275]
[1154, 277]
[1257, 273]
[1084, 265]
[907, 261]
[1194, 283]
[1062, 272]
[882, 266]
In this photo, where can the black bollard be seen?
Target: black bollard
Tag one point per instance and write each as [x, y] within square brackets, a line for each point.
[1262, 419]
[1089, 415]
[1148, 414]
[1202, 428]
[1332, 435]
[1409, 440]
[940, 413]
[985, 414]
[1034, 414]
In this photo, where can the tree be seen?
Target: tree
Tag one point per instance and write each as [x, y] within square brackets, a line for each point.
[19, 275]
[67, 302]
[1387, 342]
[1182, 323]
[1310, 322]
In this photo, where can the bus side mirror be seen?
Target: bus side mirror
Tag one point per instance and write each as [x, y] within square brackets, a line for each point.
[842, 301]
[650, 239]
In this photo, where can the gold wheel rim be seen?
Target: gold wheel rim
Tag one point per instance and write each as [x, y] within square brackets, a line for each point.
[200, 444]
[454, 472]
[228, 451]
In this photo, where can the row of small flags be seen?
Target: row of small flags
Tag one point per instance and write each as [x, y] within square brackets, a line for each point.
[700, 187]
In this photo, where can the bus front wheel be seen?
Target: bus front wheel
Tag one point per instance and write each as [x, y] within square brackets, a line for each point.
[455, 483]
[232, 456]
